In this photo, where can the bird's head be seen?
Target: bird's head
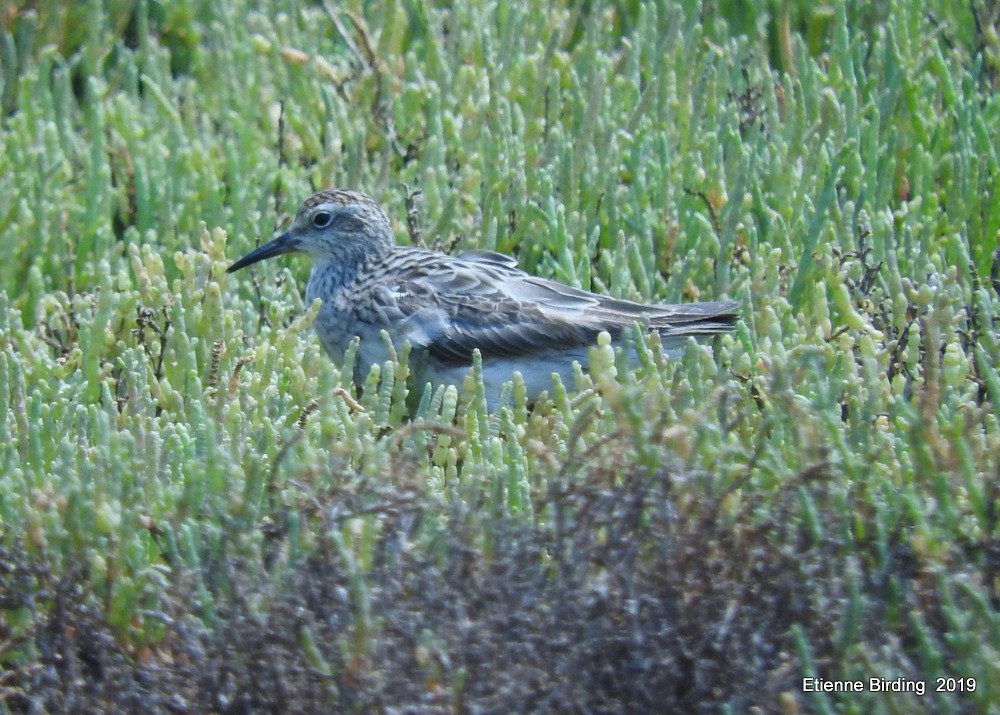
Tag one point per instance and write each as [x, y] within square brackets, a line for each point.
[335, 224]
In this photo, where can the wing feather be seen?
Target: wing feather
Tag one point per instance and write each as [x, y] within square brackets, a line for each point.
[455, 304]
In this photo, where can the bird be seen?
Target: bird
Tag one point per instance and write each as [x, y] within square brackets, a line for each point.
[447, 306]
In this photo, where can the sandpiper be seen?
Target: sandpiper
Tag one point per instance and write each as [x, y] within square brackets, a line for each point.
[447, 306]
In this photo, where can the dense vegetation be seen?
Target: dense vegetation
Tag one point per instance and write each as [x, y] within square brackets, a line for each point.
[199, 511]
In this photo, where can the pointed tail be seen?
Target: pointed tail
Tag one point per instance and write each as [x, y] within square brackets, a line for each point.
[708, 318]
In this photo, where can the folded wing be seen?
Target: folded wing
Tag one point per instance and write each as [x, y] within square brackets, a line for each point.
[455, 304]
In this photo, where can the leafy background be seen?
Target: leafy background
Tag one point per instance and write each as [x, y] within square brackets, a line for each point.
[198, 511]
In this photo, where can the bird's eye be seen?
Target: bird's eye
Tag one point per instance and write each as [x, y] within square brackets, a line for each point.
[322, 219]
